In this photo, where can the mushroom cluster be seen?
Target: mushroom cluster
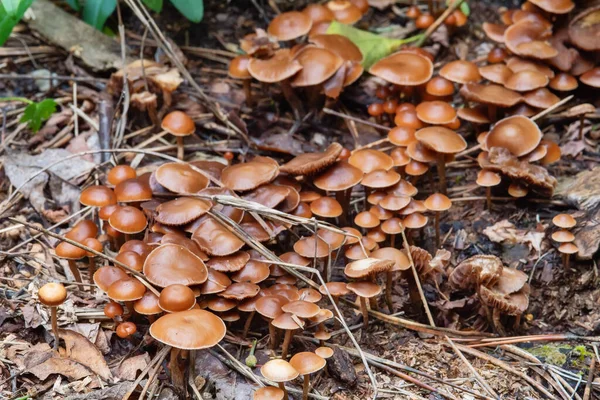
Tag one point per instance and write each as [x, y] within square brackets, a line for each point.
[565, 238]
[500, 290]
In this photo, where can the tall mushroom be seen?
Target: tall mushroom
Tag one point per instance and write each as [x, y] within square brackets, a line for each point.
[488, 179]
[307, 363]
[401, 263]
[53, 295]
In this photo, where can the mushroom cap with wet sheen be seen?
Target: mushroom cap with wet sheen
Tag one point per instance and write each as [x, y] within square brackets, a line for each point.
[189, 330]
[107, 275]
[306, 362]
[147, 305]
[278, 370]
[403, 68]
[215, 239]
[518, 134]
[311, 163]
[339, 176]
[318, 65]
[68, 251]
[178, 123]
[180, 178]
[126, 289]
[181, 211]
[289, 25]
[250, 175]
[487, 178]
[176, 297]
[435, 112]
[461, 71]
[438, 202]
[97, 196]
[128, 220]
[268, 393]
[170, 264]
[442, 140]
[275, 69]
[120, 173]
[52, 294]
[565, 221]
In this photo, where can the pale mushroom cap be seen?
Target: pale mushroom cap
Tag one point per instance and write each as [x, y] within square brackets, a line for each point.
[367, 267]
[487, 178]
[279, 370]
[568, 248]
[518, 134]
[524, 81]
[403, 68]
[364, 289]
[324, 352]
[369, 160]
[438, 202]
[268, 393]
[366, 219]
[290, 25]
[563, 236]
[517, 190]
[301, 308]
[442, 140]
[306, 363]
[415, 221]
[401, 261]
[52, 294]
[326, 207]
[335, 288]
[564, 221]
[189, 330]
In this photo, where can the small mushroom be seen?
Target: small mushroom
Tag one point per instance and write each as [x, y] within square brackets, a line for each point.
[53, 295]
[178, 124]
[94, 244]
[268, 393]
[71, 253]
[364, 290]
[566, 249]
[289, 323]
[488, 179]
[307, 363]
[279, 371]
[126, 329]
[175, 298]
[437, 203]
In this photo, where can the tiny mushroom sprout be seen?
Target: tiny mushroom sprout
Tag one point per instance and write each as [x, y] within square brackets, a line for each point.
[178, 124]
[437, 203]
[444, 142]
[187, 330]
[307, 363]
[488, 179]
[279, 371]
[53, 295]
[126, 329]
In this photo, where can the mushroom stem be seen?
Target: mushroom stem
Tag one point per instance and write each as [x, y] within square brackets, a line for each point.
[282, 387]
[392, 240]
[54, 319]
[389, 281]
[488, 195]
[343, 197]
[127, 238]
[517, 323]
[305, 387]
[248, 91]
[286, 343]
[437, 229]
[272, 336]
[74, 271]
[497, 323]
[364, 311]
[292, 98]
[177, 373]
[247, 324]
[567, 261]
[413, 291]
[180, 150]
[129, 305]
[91, 271]
[441, 165]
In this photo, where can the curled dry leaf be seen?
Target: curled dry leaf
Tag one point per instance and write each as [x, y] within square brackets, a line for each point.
[79, 349]
[506, 232]
[129, 368]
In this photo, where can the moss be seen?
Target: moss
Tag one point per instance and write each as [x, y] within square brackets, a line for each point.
[554, 354]
[578, 356]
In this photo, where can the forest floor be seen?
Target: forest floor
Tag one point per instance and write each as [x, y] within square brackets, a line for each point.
[562, 301]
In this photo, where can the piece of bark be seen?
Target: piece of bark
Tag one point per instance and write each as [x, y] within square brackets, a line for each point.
[340, 367]
[95, 49]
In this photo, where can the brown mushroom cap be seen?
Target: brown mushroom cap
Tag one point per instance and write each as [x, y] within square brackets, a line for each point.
[563, 82]
[403, 68]
[496, 73]
[69, 252]
[340, 176]
[97, 196]
[326, 207]
[311, 246]
[517, 64]
[287, 321]
[494, 31]
[240, 291]
[119, 174]
[268, 195]
[268, 393]
[311, 163]
[403, 188]
[554, 6]
[584, 28]
[568, 248]
[278, 370]
[324, 352]
[487, 178]
[516, 190]
[180, 178]
[524, 81]
[128, 220]
[518, 134]
[171, 264]
[147, 305]
[440, 87]
[490, 94]
[250, 175]
[479, 269]
[82, 230]
[442, 140]
[366, 219]
[175, 298]
[270, 306]
[133, 191]
[181, 211]
[238, 67]
[367, 266]
[527, 39]
[318, 13]
[294, 258]
[461, 71]
[369, 160]
[541, 98]
[301, 308]
[435, 112]
[513, 304]
[230, 263]
[335, 288]
[306, 362]
[289, 25]
[591, 77]
[339, 45]
[398, 257]
[189, 330]
[392, 226]
[275, 69]
[107, 275]
[564, 221]
[318, 65]
[215, 239]
[364, 289]
[344, 11]
[474, 115]
[132, 259]
[126, 289]
[563, 236]
[415, 220]
[178, 123]
[52, 294]
[400, 156]
[438, 202]
[401, 135]
[380, 179]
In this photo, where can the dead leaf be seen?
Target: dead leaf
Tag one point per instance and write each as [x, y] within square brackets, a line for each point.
[80, 349]
[572, 148]
[31, 316]
[505, 231]
[128, 369]
[42, 362]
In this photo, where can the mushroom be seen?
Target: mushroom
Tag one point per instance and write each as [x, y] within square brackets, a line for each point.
[520, 135]
[238, 69]
[178, 124]
[566, 249]
[180, 178]
[289, 26]
[344, 11]
[564, 221]
[187, 330]
[175, 298]
[340, 178]
[94, 244]
[401, 263]
[364, 290]
[148, 306]
[126, 290]
[279, 371]
[403, 68]
[268, 393]
[71, 253]
[492, 95]
[53, 295]
[120, 173]
[318, 65]
[114, 310]
[133, 191]
[270, 308]
[326, 207]
[128, 220]
[487, 179]
[307, 363]
[289, 323]
[126, 329]
[437, 203]
[181, 211]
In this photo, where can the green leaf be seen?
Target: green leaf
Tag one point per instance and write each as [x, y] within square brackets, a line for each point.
[11, 12]
[191, 9]
[36, 113]
[154, 5]
[372, 46]
[96, 12]
[464, 7]
[74, 4]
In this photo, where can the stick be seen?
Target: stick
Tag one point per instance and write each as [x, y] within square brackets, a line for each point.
[554, 107]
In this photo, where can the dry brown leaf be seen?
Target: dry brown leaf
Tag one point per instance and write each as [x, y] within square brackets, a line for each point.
[80, 349]
[128, 369]
[42, 362]
[505, 231]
